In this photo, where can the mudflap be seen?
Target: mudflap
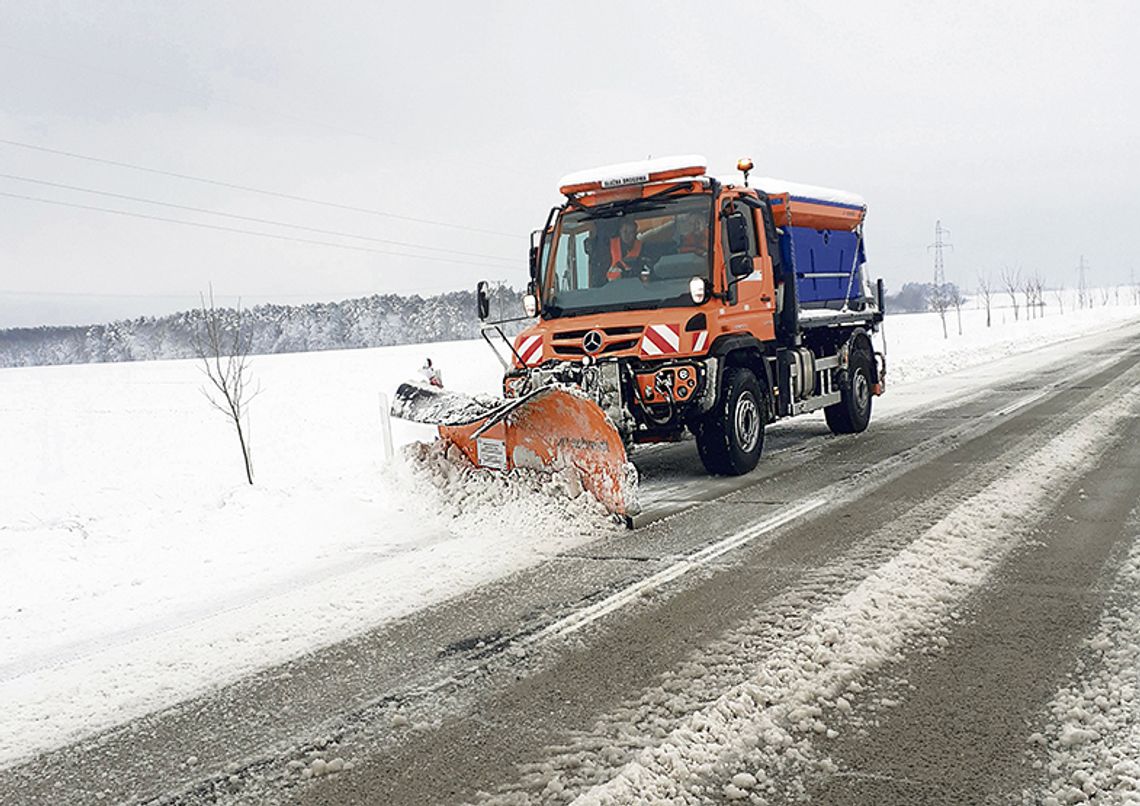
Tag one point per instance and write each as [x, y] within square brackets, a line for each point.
[550, 429]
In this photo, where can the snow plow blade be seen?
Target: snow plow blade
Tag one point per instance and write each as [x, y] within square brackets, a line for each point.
[550, 429]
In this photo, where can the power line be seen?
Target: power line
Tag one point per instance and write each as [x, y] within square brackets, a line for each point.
[246, 231]
[342, 295]
[211, 97]
[248, 189]
[251, 218]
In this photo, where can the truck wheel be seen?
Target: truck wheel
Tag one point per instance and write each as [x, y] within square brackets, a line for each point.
[852, 413]
[731, 436]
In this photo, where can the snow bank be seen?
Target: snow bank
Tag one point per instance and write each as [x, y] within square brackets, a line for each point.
[137, 569]
[916, 349]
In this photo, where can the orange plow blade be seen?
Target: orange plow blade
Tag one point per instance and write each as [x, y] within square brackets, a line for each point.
[551, 429]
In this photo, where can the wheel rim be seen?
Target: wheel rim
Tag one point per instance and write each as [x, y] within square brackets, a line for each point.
[861, 391]
[747, 422]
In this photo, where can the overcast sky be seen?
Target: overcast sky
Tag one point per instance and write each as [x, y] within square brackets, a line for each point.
[1016, 123]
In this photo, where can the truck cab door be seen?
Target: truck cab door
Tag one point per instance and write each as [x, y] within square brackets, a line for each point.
[752, 301]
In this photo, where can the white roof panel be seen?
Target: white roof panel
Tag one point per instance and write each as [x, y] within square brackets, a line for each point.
[802, 191]
[631, 172]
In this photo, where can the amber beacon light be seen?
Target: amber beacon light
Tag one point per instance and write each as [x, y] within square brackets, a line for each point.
[744, 165]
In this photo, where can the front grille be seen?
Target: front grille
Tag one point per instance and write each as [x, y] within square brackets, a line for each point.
[576, 348]
[577, 335]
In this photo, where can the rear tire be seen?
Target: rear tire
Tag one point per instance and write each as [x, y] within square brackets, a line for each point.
[852, 413]
[731, 436]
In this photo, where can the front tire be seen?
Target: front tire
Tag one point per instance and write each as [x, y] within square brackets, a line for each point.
[731, 436]
[852, 414]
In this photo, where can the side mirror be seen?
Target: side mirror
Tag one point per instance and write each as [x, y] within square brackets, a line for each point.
[698, 290]
[483, 300]
[882, 294]
[737, 231]
[534, 263]
[740, 266]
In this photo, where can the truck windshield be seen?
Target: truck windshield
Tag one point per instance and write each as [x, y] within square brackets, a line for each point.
[637, 254]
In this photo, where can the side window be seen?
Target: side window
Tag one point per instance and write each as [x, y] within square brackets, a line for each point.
[582, 260]
[563, 273]
[750, 218]
[572, 261]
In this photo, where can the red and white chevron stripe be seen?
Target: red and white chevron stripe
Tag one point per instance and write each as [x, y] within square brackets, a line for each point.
[661, 340]
[529, 349]
[700, 339]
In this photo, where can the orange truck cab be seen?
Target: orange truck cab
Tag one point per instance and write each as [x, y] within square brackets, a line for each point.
[679, 302]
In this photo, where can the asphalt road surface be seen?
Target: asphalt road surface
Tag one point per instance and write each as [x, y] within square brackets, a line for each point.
[881, 618]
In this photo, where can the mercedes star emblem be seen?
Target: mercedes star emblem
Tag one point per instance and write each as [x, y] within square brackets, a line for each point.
[592, 341]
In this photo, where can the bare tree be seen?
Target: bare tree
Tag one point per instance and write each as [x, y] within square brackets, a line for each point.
[940, 301]
[1084, 297]
[1027, 292]
[1059, 293]
[958, 301]
[986, 289]
[223, 349]
[1038, 288]
[1105, 293]
[1011, 280]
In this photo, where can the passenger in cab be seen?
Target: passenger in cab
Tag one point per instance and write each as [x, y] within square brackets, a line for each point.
[692, 234]
[625, 248]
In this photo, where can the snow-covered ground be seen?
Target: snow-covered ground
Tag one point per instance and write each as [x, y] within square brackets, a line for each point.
[137, 568]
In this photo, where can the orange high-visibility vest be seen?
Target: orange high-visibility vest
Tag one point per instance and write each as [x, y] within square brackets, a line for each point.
[617, 259]
[693, 242]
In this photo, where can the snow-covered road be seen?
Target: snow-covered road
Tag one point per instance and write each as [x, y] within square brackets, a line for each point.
[136, 569]
[362, 690]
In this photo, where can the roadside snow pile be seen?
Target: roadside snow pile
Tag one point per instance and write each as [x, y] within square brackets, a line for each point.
[1094, 740]
[916, 349]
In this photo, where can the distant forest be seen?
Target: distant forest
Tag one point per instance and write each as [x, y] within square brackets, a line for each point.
[373, 321]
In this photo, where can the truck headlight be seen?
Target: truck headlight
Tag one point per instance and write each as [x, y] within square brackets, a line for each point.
[530, 304]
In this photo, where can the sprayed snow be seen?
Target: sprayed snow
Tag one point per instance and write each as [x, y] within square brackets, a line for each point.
[422, 403]
[766, 725]
[1093, 737]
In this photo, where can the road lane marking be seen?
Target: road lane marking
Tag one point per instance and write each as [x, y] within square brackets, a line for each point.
[587, 615]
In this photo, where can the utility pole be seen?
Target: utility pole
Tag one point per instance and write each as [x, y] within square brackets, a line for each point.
[940, 300]
[1082, 286]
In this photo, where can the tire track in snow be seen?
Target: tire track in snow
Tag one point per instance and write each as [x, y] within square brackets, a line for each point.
[757, 736]
[587, 758]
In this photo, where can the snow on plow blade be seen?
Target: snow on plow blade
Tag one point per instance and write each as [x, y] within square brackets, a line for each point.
[549, 429]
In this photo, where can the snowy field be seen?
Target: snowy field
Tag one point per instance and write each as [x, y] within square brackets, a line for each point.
[137, 568]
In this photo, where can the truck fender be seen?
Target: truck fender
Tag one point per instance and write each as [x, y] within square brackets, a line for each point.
[859, 340]
[741, 350]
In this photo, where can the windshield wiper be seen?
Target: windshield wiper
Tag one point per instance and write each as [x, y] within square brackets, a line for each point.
[639, 204]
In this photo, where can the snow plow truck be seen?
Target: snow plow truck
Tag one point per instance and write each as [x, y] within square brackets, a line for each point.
[666, 301]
